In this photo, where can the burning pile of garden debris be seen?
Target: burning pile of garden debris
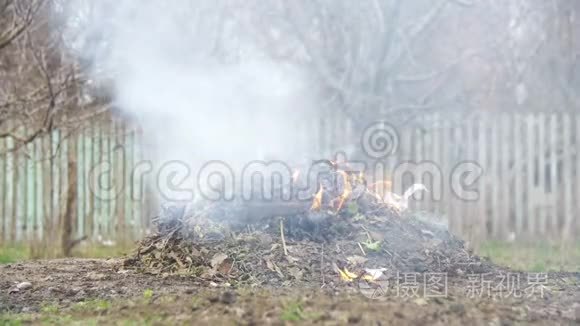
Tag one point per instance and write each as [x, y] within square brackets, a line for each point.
[343, 231]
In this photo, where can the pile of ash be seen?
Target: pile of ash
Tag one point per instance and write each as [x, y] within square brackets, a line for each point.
[329, 238]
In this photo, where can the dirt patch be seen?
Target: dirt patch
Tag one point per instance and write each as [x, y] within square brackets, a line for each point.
[183, 299]
[341, 256]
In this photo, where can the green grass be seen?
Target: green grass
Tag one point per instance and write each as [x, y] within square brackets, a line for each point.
[293, 311]
[96, 305]
[13, 254]
[534, 257]
[98, 311]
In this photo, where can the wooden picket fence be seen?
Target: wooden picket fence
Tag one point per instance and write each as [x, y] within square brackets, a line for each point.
[529, 187]
[34, 185]
[530, 182]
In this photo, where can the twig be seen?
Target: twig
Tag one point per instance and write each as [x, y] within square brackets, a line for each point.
[322, 266]
[361, 249]
[367, 232]
[231, 267]
[282, 236]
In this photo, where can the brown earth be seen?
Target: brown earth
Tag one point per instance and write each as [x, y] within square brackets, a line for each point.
[243, 263]
[183, 299]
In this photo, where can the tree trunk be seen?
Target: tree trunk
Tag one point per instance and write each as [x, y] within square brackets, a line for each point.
[69, 212]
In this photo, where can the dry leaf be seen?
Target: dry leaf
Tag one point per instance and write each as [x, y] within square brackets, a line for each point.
[218, 259]
[274, 268]
[420, 301]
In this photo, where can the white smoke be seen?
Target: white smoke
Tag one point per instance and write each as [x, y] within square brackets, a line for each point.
[197, 83]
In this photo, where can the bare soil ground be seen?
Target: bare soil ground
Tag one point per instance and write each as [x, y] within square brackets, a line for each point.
[102, 291]
[346, 259]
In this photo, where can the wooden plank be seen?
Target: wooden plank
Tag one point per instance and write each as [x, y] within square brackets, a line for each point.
[66, 139]
[553, 211]
[519, 175]
[542, 168]
[37, 165]
[469, 212]
[17, 198]
[34, 188]
[101, 215]
[506, 170]
[577, 179]
[433, 134]
[95, 151]
[46, 187]
[531, 168]
[9, 209]
[4, 192]
[107, 202]
[449, 146]
[482, 148]
[119, 170]
[567, 178]
[496, 192]
[88, 168]
[133, 225]
[55, 173]
[81, 178]
[425, 154]
[135, 184]
[25, 217]
[458, 138]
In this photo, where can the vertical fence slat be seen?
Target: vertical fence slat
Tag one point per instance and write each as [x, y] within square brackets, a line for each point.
[16, 196]
[4, 192]
[448, 134]
[119, 153]
[436, 157]
[553, 176]
[46, 188]
[35, 184]
[108, 202]
[128, 141]
[542, 220]
[88, 198]
[482, 213]
[531, 167]
[9, 209]
[567, 178]
[519, 175]
[495, 195]
[55, 176]
[460, 151]
[81, 176]
[95, 152]
[470, 213]
[101, 215]
[506, 170]
[577, 179]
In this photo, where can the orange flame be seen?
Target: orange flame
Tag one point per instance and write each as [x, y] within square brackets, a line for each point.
[317, 201]
[346, 191]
